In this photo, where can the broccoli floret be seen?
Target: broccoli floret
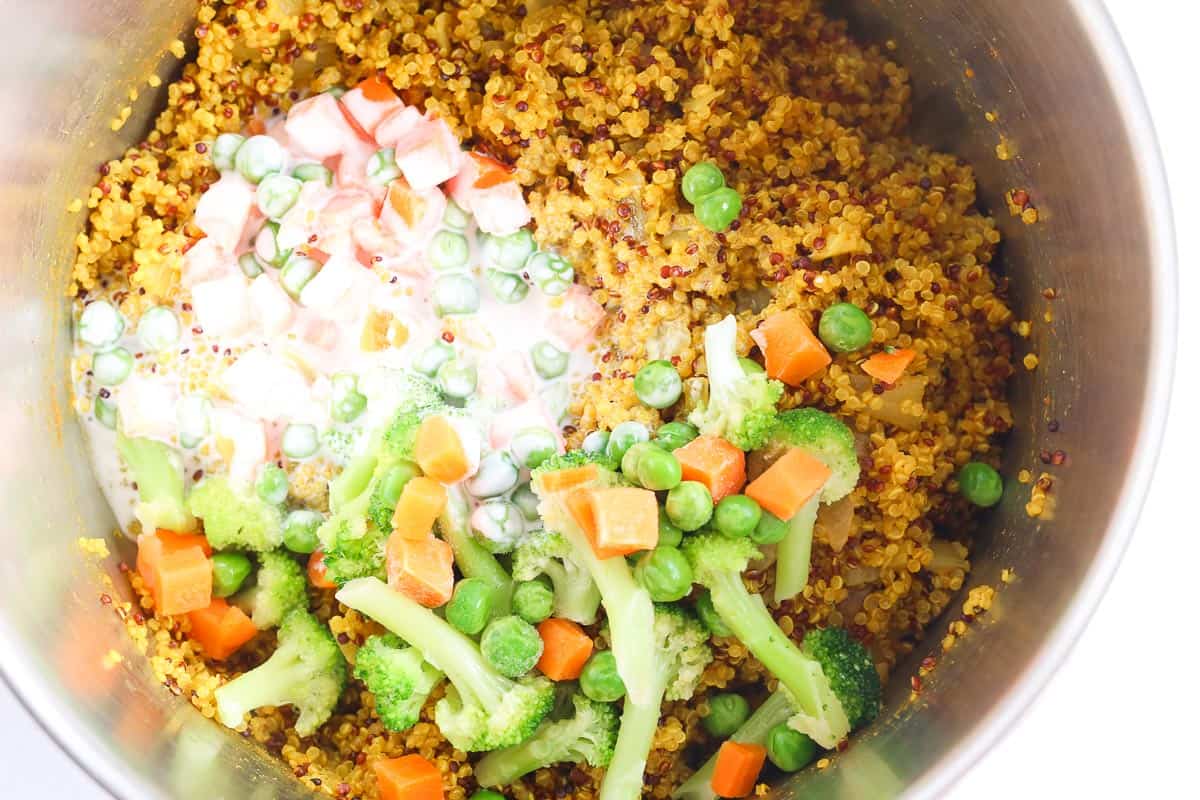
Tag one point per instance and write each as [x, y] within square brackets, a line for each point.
[589, 735]
[547, 553]
[574, 458]
[389, 391]
[626, 603]
[680, 656]
[482, 709]
[307, 670]
[717, 563]
[399, 677]
[280, 587]
[741, 404]
[348, 557]
[158, 472]
[827, 439]
[850, 670]
[235, 516]
[775, 710]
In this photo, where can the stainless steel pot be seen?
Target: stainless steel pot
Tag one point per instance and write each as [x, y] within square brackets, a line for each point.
[1065, 99]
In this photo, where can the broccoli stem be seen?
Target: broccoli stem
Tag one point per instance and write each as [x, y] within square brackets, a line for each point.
[628, 607]
[794, 553]
[747, 616]
[440, 644]
[625, 776]
[575, 595]
[158, 472]
[352, 481]
[472, 558]
[775, 710]
[273, 683]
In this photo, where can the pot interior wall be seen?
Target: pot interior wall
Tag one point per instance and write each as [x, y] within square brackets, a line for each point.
[70, 67]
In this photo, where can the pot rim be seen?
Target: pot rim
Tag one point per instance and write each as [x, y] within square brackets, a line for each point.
[1097, 25]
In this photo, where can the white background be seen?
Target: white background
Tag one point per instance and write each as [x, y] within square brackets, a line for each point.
[1119, 719]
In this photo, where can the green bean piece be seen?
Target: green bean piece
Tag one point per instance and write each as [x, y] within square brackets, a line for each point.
[382, 168]
[726, 713]
[470, 606]
[229, 572]
[600, 680]
[297, 272]
[266, 245]
[250, 265]
[112, 367]
[548, 361]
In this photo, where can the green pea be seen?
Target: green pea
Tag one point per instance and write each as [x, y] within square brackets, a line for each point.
[487, 794]
[689, 505]
[112, 367]
[709, 616]
[277, 194]
[272, 484]
[382, 168]
[531, 446]
[524, 498]
[665, 573]
[533, 601]
[600, 680]
[318, 173]
[496, 475]
[512, 251]
[300, 531]
[595, 442]
[511, 645]
[224, 150]
[716, 211]
[229, 571]
[675, 435]
[844, 328]
[631, 459]
[455, 218]
[449, 250]
[299, 440]
[457, 378]
[551, 273]
[700, 180]
[769, 530]
[737, 515]
[506, 287]
[548, 360]
[981, 484]
[726, 713]
[392, 484]
[788, 749]
[455, 294]
[657, 384]
[429, 360]
[625, 436]
[470, 606]
[668, 532]
[258, 157]
[658, 470]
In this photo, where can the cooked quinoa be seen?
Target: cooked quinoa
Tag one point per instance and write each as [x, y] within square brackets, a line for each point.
[601, 106]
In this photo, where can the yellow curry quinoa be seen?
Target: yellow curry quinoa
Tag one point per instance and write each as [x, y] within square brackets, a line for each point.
[600, 107]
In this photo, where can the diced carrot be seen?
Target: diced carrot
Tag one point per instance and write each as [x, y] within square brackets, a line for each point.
[791, 350]
[579, 503]
[714, 462]
[376, 89]
[562, 479]
[491, 172]
[624, 520]
[410, 777]
[738, 767]
[316, 571]
[407, 204]
[565, 649]
[221, 629]
[421, 501]
[789, 483]
[439, 451]
[422, 569]
[176, 570]
[888, 367]
[256, 126]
